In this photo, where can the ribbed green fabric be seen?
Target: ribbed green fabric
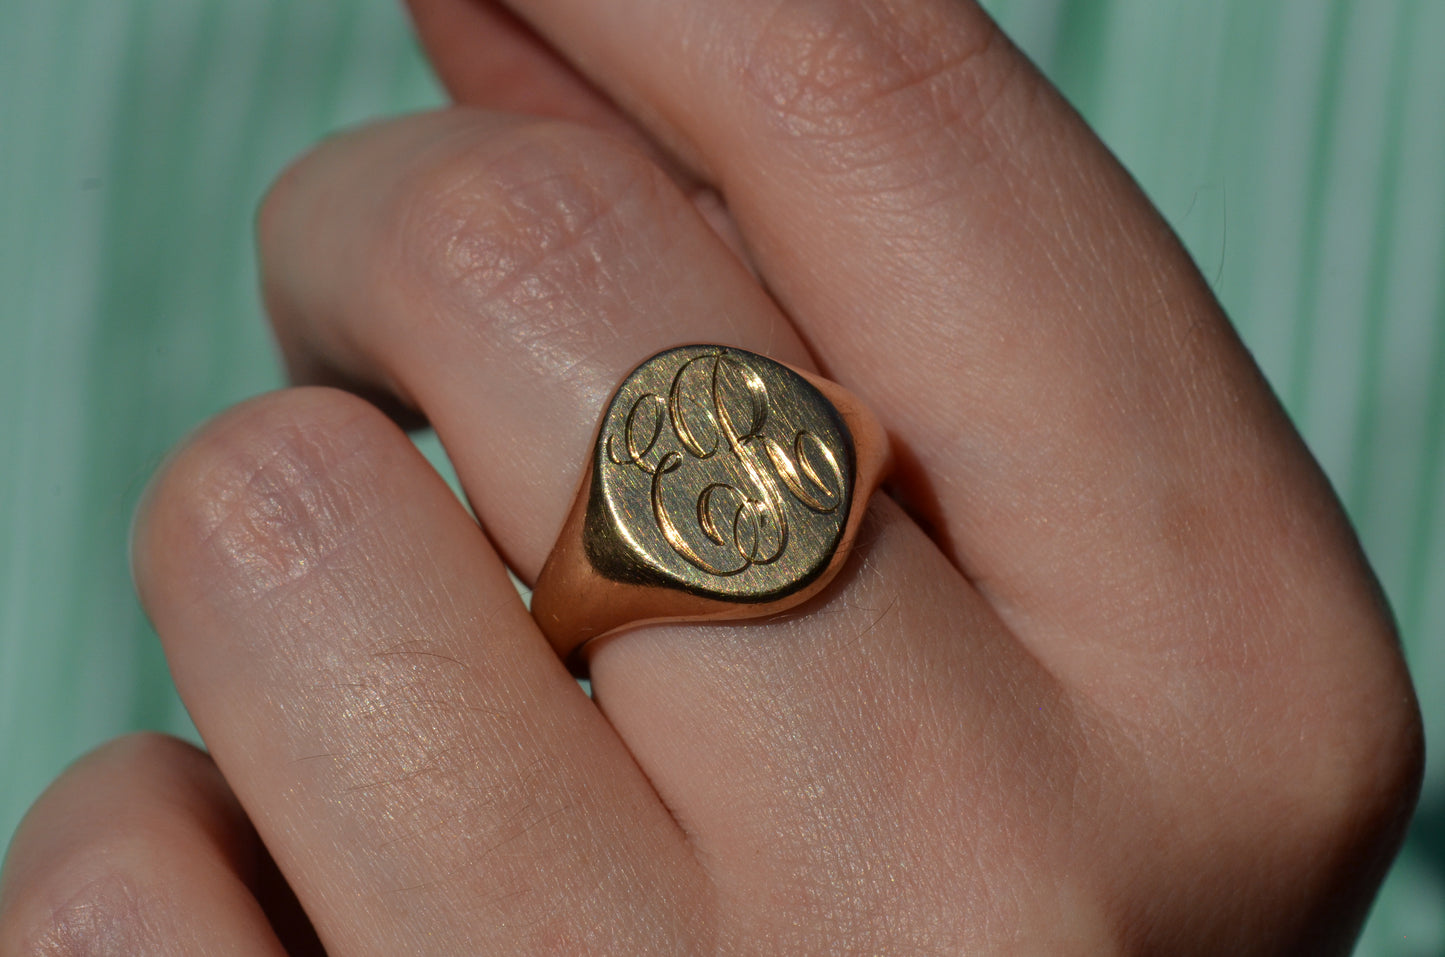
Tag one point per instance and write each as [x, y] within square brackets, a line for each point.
[1297, 145]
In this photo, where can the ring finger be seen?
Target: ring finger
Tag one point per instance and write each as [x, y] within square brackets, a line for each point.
[502, 275]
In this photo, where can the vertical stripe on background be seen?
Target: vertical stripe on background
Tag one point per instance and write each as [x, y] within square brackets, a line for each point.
[1415, 421]
[56, 258]
[1397, 490]
[22, 53]
[1381, 249]
[1223, 202]
[147, 221]
[1296, 388]
[1277, 159]
[1080, 36]
[1423, 605]
[1326, 398]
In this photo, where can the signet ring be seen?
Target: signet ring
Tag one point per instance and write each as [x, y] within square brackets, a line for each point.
[722, 485]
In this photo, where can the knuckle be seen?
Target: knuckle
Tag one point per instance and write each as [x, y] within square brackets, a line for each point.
[1329, 755]
[103, 891]
[1368, 756]
[1330, 730]
[1305, 741]
[86, 911]
[266, 494]
[859, 85]
[505, 224]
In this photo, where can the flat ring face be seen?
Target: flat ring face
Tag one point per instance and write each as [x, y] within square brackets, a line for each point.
[719, 472]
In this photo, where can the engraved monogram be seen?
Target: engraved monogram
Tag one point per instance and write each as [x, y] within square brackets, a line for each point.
[716, 476]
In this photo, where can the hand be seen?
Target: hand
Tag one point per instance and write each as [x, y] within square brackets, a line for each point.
[1106, 674]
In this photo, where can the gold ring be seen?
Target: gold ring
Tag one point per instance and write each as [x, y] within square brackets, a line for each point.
[722, 485]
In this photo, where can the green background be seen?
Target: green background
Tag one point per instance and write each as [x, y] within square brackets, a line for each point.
[1298, 147]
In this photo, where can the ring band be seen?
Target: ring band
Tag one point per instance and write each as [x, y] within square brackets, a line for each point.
[722, 485]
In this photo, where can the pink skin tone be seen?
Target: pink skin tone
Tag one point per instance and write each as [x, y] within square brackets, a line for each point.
[1106, 674]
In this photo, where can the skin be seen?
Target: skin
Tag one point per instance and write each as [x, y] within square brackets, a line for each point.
[1106, 674]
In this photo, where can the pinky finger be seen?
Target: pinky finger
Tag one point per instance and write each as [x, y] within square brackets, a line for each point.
[140, 848]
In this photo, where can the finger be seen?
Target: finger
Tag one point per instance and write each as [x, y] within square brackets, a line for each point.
[427, 775]
[139, 848]
[463, 260]
[488, 58]
[485, 56]
[957, 248]
[504, 276]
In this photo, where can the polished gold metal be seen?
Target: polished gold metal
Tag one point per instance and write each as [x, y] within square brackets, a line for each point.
[722, 484]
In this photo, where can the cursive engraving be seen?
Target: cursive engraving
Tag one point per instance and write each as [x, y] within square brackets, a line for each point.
[715, 410]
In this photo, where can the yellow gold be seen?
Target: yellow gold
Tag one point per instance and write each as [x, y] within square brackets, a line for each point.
[722, 484]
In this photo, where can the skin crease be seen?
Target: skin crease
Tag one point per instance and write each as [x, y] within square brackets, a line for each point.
[1106, 674]
[116, 852]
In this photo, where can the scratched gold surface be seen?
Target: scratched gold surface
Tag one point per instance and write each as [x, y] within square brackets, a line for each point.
[720, 472]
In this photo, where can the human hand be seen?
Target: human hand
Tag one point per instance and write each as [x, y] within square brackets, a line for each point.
[1113, 678]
